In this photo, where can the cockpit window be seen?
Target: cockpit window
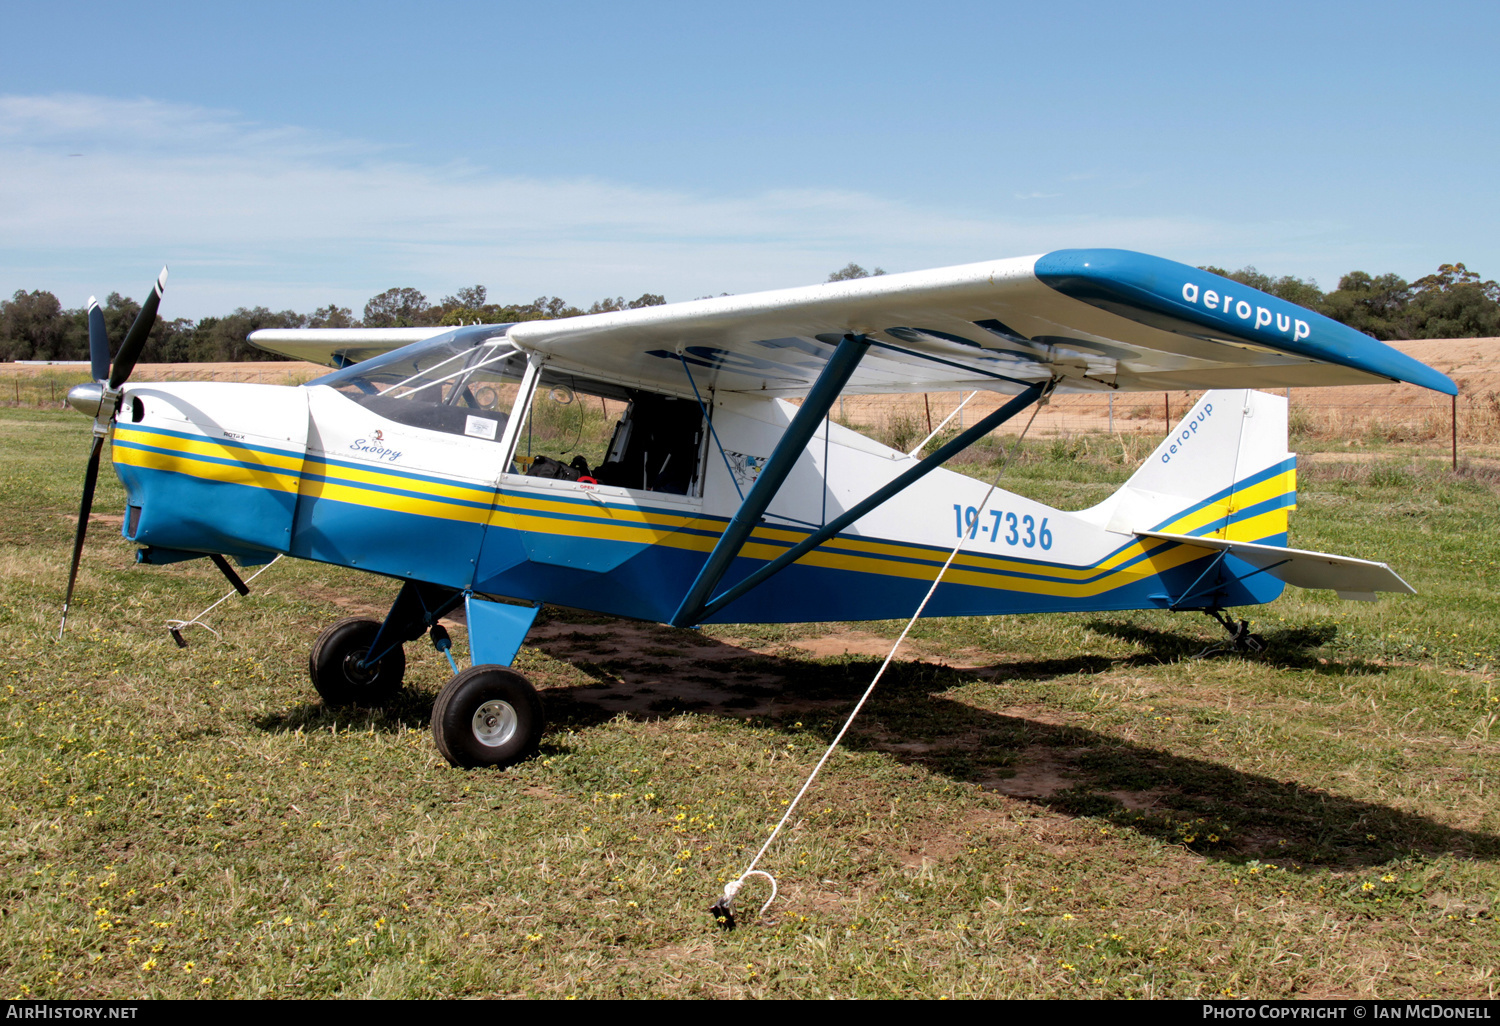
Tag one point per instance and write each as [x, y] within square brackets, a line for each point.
[581, 430]
[462, 382]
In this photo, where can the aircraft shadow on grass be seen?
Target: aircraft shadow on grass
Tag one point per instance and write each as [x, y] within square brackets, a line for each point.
[1287, 648]
[647, 672]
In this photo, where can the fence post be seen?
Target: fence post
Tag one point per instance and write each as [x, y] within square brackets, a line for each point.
[1166, 399]
[1111, 413]
[1453, 421]
[927, 405]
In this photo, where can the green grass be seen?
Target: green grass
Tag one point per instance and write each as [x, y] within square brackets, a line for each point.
[1031, 806]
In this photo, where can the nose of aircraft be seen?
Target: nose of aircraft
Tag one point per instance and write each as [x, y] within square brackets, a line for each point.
[87, 398]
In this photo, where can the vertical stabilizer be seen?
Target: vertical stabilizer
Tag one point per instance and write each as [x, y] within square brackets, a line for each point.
[1223, 472]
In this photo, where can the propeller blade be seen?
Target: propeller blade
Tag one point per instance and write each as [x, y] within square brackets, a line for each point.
[135, 339]
[90, 478]
[98, 342]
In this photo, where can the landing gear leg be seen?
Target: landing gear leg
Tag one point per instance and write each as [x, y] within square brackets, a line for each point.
[1241, 640]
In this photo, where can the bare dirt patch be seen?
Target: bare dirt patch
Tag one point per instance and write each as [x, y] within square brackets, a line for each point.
[349, 604]
[1039, 772]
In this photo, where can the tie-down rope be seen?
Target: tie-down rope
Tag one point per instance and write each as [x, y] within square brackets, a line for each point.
[723, 909]
[176, 627]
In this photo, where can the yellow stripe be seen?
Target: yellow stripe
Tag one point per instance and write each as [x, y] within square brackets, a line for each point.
[211, 448]
[467, 493]
[539, 514]
[229, 474]
[319, 489]
[1271, 488]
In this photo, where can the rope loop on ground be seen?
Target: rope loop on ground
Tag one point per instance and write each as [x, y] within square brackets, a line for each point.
[175, 627]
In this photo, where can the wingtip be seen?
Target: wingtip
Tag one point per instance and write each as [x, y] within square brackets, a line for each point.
[93, 302]
[161, 280]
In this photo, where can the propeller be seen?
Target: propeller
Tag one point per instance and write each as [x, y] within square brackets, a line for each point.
[100, 400]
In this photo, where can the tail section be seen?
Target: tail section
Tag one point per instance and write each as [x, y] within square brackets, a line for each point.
[1224, 472]
[1222, 483]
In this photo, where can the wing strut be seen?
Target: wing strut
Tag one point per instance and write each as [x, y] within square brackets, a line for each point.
[880, 495]
[831, 380]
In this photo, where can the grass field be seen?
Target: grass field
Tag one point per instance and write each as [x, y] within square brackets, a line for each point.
[1032, 806]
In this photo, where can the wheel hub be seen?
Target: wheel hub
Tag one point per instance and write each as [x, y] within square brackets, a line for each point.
[357, 671]
[495, 722]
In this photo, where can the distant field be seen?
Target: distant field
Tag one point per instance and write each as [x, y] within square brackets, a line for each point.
[1033, 806]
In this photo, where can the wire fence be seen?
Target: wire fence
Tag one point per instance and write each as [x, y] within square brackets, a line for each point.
[1381, 414]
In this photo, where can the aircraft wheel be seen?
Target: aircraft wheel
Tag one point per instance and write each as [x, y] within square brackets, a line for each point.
[334, 665]
[487, 716]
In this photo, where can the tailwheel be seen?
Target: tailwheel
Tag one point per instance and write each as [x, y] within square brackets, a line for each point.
[340, 670]
[1241, 640]
[487, 716]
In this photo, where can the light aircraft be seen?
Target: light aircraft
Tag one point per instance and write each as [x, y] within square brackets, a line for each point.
[440, 458]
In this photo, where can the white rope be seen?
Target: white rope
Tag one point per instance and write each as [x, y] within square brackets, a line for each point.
[197, 621]
[733, 887]
[939, 429]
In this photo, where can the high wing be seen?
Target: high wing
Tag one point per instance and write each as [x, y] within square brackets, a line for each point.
[338, 347]
[1094, 320]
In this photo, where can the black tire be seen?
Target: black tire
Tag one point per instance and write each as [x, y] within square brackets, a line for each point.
[487, 716]
[334, 666]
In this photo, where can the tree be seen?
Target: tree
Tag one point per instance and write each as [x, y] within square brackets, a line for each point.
[619, 303]
[332, 316]
[397, 308]
[1375, 306]
[32, 327]
[224, 338]
[1453, 303]
[471, 297]
[1302, 291]
[851, 270]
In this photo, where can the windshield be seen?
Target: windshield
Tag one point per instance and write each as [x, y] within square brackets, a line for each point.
[461, 382]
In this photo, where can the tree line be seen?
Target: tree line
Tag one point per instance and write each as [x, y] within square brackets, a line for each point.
[1452, 303]
[35, 326]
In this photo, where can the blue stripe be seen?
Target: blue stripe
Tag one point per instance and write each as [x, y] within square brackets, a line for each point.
[393, 490]
[189, 436]
[201, 458]
[925, 555]
[1274, 503]
[1238, 486]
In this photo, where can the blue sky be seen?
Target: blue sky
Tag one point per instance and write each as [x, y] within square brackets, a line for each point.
[293, 155]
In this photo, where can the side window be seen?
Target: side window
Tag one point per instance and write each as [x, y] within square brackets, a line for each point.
[569, 427]
[626, 438]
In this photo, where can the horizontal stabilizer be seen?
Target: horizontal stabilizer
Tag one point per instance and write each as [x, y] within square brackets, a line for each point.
[1356, 579]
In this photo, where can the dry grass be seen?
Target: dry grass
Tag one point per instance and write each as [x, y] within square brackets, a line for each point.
[1033, 806]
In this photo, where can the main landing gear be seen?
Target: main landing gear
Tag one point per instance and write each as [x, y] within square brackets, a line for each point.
[487, 715]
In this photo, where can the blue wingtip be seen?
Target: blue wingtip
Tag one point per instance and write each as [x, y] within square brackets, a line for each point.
[1176, 297]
